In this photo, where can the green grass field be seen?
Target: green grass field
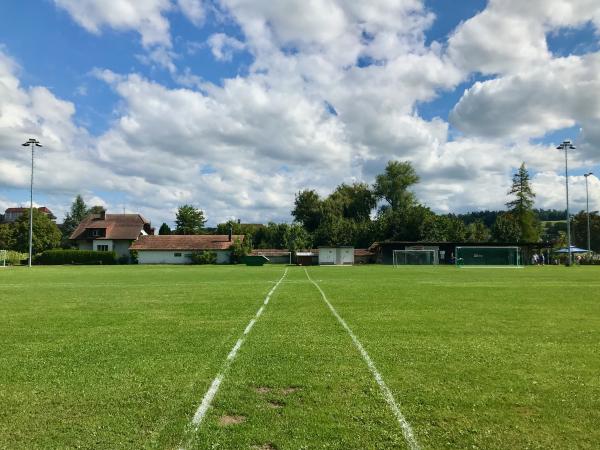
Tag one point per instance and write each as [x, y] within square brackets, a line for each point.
[122, 356]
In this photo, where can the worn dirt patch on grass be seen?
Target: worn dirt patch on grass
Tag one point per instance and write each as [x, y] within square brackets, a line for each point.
[264, 447]
[290, 390]
[275, 404]
[226, 421]
[262, 390]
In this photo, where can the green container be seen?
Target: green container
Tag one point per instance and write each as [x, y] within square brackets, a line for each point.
[258, 260]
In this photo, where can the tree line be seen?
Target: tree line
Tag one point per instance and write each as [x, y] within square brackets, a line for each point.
[354, 214]
[359, 214]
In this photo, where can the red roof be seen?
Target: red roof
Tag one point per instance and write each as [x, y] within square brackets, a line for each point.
[118, 226]
[185, 242]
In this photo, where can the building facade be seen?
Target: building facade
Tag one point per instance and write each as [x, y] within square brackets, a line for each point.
[110, 232]
[178, 249]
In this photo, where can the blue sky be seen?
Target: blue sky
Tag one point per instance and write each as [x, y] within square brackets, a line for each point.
[234, 106]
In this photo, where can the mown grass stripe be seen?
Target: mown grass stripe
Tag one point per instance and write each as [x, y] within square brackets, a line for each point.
[214, 386]
[385, 390]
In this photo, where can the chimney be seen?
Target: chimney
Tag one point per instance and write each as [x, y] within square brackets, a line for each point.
[230, 231]
[103, 214]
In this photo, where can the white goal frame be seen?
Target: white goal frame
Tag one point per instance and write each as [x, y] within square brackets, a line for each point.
[519, 264]
[3, 255]
[397, 253]
[259, 253]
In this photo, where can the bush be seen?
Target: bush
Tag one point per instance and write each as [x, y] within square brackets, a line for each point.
[238, 250]
[204, 258]
[133, 257]
[14, 258]
[86, 257]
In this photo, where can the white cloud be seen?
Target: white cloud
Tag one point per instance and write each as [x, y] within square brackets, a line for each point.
[551, 191]
[144, 16]
[223, 46]
[193, 10]
[330, 97]
[559, 94]
[510, 35]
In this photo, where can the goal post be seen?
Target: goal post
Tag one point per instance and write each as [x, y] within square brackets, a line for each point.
[500, 256]
[3, 256]
[275, 257]
[423, 257]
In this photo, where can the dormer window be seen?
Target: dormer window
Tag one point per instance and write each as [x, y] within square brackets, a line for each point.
[96, 232]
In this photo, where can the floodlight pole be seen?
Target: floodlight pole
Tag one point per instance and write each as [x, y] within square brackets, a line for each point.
[567, 145]
[587, 207]
[33, 143]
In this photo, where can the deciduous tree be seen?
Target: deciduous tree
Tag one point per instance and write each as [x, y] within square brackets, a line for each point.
[393, 185]
[307, 209]
[46, 234]
[189, 220]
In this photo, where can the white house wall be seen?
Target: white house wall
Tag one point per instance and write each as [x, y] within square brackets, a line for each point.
[121, 247]
[336, 255]
[168, 257]
[345, 256]
[327, 255]
[98, 242]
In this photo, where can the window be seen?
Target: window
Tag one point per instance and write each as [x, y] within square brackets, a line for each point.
[178, 255]
[188, 255]
[96, 232]
[102, 248]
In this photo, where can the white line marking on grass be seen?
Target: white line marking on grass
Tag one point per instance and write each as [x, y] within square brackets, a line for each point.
[214, 387]
[385, 390]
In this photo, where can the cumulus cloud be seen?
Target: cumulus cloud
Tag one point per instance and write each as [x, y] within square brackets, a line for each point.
[510, 35]
[193, 10]
[223, 47]
[556, 95]
[144, 16]
[329, 97]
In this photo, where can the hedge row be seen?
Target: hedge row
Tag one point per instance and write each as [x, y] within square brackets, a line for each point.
[86, 257]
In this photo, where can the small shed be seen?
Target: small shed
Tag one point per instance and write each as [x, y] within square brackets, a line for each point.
[336, 256]
[304, 258]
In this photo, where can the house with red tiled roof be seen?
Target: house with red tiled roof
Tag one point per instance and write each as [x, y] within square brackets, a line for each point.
[12, 214]
[110, 232]
[178, 249]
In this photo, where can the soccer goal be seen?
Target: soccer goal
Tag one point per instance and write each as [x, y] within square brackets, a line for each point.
[415, 257]
[3, 255]
[488, 257]
[276, 257]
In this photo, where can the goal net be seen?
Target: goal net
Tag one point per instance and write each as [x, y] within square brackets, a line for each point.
[275, 256]
[488, 256]
[415, 257]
